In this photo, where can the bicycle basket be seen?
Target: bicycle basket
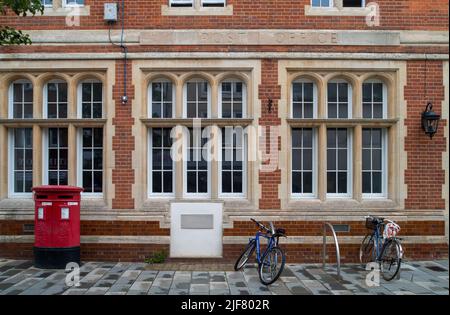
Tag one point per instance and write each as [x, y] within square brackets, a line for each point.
[391, 229]
[371, 223]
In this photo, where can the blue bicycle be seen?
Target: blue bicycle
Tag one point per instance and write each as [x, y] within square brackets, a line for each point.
[271, 262]
[381, 245]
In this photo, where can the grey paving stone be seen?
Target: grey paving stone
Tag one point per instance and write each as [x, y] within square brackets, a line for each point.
[141, 286]
[97, 291]
[75, 292]
[147, 275]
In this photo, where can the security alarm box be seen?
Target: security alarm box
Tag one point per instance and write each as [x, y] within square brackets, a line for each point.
[110, 14]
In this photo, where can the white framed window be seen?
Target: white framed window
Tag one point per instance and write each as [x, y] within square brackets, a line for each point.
[181, 3]
[303, 163]
[90, 161]
[73, 3]
[304, 99]
[161, 167]
[232, 99]
[322, 3]
[90, 99]
[353, 3]
[47, 3]
[20, 162]
[197, 99]
[233, 163]
[339, 162]
[161, 99]
[197, 167]
[55, 156]
[374, 99]
[339, 99]
[374, 162]
[213, 3]
[20, 99]
[55, 99]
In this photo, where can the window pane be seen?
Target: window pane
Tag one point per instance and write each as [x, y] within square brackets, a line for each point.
[378, 92]
[332, 92]
[332, 110]
[87, 159]
[202, 182]
[98, 137]
[297, 92]
[98, 92]
[378, 110]
[98, 182]
[226, 92]
[366, 159]
[343, 92]
[307, 183]
[309, 110]
[307, 159]
[191, 110]
[297, 110]
[226, 182]
[296, 159]
[342, 183]
[51, 93]
[376, 159]
[156, 110]
[367, 110]
[156, 92]
[98, 159]
[377, 186]
[87, 92]
[97, 110]
[191, 92]
[331, 183]
[296, 182]
[87, 181]
[168, 182]
[191, 182]
[331, 159]
[157, 182]
[342, 156]
[86, 110]
[366, 183]
[367, 92]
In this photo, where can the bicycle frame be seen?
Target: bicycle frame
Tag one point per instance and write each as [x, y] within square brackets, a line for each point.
[270, 244]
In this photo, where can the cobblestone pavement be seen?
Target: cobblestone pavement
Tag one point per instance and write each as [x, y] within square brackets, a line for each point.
[19, 277]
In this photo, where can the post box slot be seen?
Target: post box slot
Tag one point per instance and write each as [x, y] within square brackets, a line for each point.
[64, 197]
[41, 197]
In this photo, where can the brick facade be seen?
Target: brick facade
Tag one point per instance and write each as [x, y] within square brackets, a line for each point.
[421, 214]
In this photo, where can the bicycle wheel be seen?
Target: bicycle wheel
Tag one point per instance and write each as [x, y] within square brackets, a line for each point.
[367, 250]
[272, 265]
[246, 254]
[390, 260]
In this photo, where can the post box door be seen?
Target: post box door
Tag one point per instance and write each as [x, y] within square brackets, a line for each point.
[43, 224]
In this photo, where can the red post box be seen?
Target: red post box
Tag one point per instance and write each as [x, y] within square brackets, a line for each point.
[57, 226]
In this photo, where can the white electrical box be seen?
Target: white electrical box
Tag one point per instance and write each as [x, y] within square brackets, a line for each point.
[110, 14]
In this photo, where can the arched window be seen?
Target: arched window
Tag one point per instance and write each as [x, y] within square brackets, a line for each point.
[161, 99]
[21, 99]
[232, 99]
[304, 99]
[90, 99]
[55, 99]
[339, 96]
[374, 99]
[197, 98]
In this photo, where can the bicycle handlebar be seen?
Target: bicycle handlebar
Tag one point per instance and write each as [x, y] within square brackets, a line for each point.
[260, 225]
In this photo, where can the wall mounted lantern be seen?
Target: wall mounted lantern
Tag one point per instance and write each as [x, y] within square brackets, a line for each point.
[430, 120]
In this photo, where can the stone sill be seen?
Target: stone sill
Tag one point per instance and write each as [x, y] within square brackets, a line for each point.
[68, 11]
[192, 11]
[313, 11]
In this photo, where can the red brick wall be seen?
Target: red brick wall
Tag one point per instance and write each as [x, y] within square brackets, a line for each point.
[276, 14]
[295, 253]
[123, 140]
[269, 180]
[240, 228]
[424, 175]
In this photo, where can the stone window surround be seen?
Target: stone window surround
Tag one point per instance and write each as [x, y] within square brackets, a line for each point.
[196, 10]
[214, 80]
[39, 124]
[337, 9]
[60, 9]
[393, 198]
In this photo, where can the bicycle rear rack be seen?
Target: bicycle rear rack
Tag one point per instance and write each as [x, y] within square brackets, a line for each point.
[336, 243]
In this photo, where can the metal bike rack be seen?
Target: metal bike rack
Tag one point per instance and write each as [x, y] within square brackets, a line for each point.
[336, 243]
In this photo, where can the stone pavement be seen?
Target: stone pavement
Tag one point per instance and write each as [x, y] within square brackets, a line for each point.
[19, 277]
